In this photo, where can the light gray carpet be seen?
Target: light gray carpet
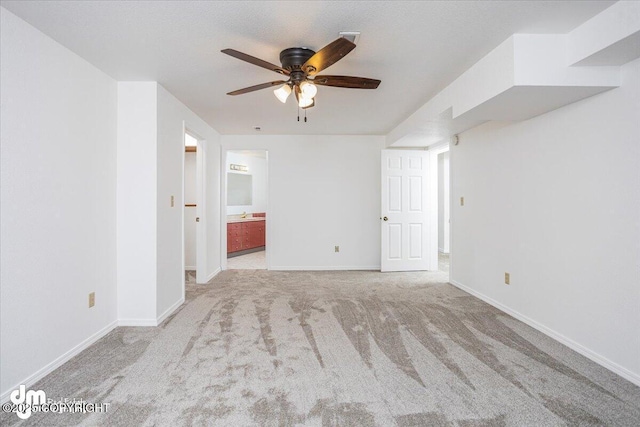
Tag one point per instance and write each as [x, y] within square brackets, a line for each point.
[264, 348]
[190, 277]
[443, 262]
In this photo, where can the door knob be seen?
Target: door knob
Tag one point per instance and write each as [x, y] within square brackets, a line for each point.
[385, 219]
[198, 219]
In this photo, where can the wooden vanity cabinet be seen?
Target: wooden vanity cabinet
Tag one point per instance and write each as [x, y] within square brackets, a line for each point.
[234, 237]
[245, 235]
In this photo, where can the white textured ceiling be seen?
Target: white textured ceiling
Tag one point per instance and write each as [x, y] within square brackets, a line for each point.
[416, 48]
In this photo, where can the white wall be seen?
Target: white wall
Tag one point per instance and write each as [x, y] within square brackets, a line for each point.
[170, 184]
[172, 117]
[151, 125]
[136, 218]
[323, 191]
[443, 202]
[211, 194]
[555, 201]
[190, 212]
[258, 170]
[58, 210]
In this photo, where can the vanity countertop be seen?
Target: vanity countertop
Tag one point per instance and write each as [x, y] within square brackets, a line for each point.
[250, 219]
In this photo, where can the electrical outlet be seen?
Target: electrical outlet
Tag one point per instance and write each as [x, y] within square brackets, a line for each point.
[172, 201]
[507, 279]
[461, 201]
[337, 249]
[92, 299]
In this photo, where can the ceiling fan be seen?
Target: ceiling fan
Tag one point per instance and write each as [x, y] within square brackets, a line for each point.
[302, 65]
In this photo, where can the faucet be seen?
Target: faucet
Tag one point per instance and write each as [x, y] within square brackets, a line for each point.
[244, 215]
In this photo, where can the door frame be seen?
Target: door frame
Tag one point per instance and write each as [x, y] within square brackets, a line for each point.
[436, 150]
[201, 249]
[223, 205]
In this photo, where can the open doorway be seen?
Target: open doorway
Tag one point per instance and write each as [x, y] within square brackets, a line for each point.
[246, 173]
[190, 207]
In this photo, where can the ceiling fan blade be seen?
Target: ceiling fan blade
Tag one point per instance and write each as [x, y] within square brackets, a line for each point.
[347, 81]
[256, 87]
[255, 61]
[328, 55]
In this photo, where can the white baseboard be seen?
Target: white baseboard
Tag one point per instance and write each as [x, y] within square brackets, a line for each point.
[324, 268]
[590, 354]
[214, 274]
[137, 322]
[46, 370]
[169, 310]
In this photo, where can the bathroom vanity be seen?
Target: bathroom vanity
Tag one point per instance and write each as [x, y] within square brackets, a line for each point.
[245, 233]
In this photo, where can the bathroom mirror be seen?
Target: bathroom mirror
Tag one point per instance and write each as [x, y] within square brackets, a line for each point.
[239, 189]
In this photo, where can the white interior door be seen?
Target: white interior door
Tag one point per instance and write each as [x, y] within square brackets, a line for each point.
[405, 218]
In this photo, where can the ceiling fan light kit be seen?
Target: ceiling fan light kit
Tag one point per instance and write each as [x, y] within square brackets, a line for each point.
[308, 89]
[301, 66]
[305, 102]
[283, 92]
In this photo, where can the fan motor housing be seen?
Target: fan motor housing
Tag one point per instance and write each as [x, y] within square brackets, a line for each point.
[294, 57]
